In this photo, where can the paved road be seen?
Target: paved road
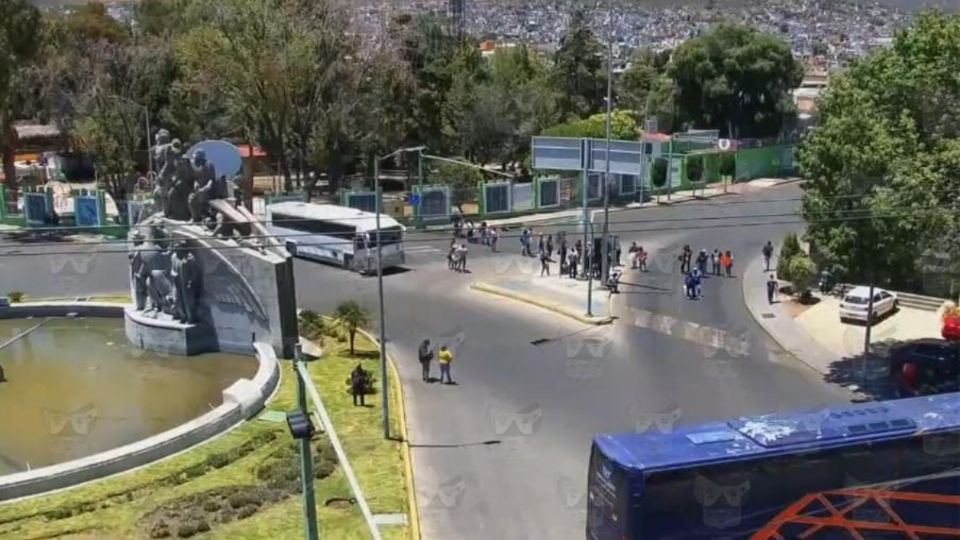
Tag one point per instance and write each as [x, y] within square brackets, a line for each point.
[503, 454]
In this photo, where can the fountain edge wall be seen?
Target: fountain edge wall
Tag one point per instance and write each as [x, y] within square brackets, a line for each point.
[241, 401]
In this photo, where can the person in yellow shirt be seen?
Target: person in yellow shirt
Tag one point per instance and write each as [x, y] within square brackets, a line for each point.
[445, 358]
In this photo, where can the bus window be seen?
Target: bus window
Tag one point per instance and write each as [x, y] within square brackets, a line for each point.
[359, 244]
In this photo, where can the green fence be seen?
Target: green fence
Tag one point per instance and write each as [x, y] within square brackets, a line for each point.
[768, 161]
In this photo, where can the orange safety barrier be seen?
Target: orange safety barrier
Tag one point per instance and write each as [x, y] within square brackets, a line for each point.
[809, 510]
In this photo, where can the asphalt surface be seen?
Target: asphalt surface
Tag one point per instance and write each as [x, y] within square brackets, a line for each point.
[503, 454]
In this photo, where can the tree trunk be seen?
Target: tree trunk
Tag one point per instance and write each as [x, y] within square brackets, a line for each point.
[353, 334]
[8, 144]
[284, 164]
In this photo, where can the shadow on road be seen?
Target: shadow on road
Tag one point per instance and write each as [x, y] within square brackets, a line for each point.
[454, 445]
[870, 372]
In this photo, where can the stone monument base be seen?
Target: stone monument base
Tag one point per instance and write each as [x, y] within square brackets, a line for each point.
[167, 336]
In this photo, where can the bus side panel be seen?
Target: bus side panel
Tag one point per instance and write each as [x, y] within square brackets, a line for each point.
[734, 500]
[612, 499]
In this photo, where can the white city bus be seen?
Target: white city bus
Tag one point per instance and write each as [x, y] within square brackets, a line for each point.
[338, 235]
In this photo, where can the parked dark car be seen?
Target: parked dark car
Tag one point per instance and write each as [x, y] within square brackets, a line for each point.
[925, 366]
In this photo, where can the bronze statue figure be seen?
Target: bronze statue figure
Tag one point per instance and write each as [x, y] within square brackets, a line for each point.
[186, 279]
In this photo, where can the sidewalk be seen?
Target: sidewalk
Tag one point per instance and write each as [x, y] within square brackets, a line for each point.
[562, 295]
[818, 338]
[779, 324]
[676, 197]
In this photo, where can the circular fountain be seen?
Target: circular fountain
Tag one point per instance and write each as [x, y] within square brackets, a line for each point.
[76, 387]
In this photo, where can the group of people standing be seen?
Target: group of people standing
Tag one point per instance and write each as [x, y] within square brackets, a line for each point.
[484, 235]
[444, 358]
[716, 263]
[457, 256]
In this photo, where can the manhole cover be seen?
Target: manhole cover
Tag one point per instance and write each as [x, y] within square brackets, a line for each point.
[768, 315]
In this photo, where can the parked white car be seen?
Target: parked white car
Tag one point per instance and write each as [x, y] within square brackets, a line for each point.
[855, 304]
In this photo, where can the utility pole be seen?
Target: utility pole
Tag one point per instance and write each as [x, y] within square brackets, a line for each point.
[383, 327]
[419, 188]
[605, 248]
[306, 458]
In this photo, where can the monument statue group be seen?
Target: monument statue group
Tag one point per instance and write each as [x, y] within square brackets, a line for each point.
[185, 268]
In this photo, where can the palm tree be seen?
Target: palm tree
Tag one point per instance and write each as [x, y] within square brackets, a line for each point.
[311, 324]
[351, 316]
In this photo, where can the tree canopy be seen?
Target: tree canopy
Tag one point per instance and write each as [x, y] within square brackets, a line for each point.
[20, 30]
[883, 166]
[578, 70]
[734, 78]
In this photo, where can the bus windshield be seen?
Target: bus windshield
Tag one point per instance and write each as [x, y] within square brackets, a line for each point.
[389, 236]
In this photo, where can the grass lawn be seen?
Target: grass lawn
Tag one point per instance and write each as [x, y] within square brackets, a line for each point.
[115, 508]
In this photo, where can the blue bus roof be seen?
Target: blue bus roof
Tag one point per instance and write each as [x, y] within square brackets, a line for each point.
[780, 433]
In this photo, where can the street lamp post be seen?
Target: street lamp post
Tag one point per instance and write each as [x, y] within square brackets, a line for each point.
[383, 325]
[419, 188]
[302, 429]
[605, 248]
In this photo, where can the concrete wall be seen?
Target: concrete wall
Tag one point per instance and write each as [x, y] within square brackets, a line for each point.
[246, 295]
[241, 401]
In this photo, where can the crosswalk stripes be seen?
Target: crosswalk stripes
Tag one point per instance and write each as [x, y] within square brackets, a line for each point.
[422, 250]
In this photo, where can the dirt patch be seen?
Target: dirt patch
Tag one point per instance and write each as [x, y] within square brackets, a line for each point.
[198, 513]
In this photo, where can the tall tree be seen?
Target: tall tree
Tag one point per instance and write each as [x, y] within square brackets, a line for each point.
[20, 33]
[110, 116]
[735, 79]
[883, 165]
[639, 81]
[259, 56]
[579, 74]
[92, 22]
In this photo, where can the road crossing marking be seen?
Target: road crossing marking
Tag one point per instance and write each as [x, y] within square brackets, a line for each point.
[707, 336]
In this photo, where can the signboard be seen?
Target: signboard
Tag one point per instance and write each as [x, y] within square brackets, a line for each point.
[576, 154]
[35, 208]
[86, 210]
[625, 156]
[558, 153]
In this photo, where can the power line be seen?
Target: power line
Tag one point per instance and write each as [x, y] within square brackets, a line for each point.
[425, 240]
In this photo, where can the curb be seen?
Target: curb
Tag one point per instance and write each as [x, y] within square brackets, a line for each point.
[550, 306]
[773, 335]
[413, 510]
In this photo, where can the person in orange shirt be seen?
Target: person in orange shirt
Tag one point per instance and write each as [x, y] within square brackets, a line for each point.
[727, 261]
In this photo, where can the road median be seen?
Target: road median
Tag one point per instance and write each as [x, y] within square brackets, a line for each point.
[559, 308]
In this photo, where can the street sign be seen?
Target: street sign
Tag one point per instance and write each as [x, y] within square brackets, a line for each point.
[558, 153]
